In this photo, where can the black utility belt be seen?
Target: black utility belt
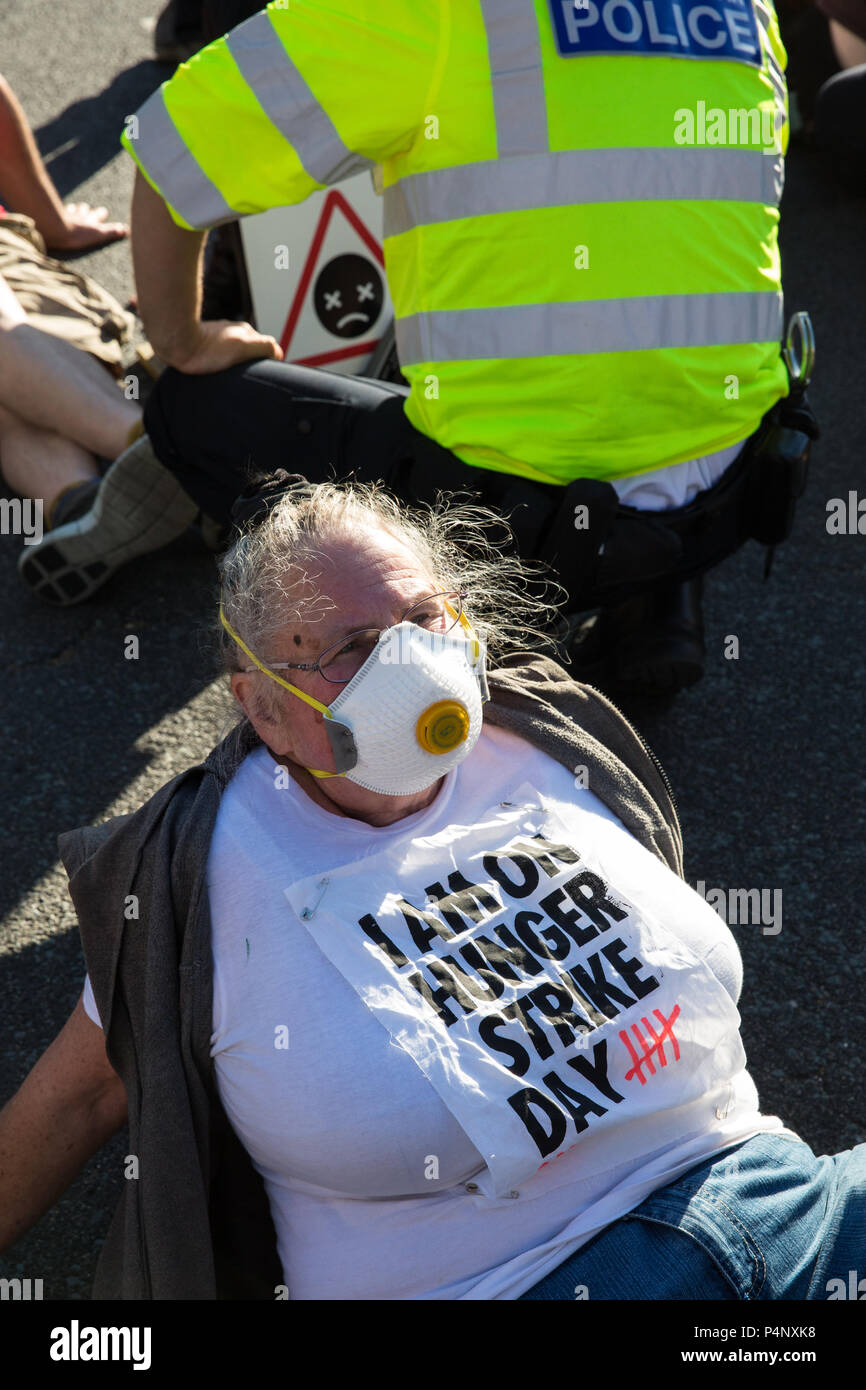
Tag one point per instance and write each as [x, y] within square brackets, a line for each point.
[606, 551]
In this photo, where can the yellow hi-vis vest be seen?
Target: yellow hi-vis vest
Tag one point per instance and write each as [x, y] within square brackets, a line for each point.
[581, 205]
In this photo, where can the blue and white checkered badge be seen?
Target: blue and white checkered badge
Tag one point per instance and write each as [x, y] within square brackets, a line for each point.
[670, 28]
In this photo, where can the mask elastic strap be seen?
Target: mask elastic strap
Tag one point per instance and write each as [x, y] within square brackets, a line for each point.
[468, 628]
[310, 700]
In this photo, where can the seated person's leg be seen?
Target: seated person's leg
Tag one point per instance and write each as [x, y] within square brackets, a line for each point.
[41, 464]
[138, 507]
[210, 434]
[54, 385]
[216, 432]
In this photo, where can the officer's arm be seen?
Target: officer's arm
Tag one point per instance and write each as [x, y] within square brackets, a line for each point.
[293, 100]
[296, 98]
[69, 1105]
[167, 260]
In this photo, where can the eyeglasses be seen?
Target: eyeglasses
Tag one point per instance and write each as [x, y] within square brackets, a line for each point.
[341, 661]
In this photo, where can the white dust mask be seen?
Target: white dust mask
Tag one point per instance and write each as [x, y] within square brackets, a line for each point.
[412, 712]
[409, 715]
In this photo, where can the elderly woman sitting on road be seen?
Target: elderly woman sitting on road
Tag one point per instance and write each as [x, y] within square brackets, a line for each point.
[402, 990]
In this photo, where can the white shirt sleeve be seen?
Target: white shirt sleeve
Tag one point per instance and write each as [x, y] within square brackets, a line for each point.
[90, 1003]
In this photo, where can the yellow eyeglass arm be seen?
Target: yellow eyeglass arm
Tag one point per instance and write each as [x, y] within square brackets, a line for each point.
[467, 627]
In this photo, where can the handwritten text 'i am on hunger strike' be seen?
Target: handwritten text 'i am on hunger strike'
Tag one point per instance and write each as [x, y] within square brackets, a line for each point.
[581, 1000]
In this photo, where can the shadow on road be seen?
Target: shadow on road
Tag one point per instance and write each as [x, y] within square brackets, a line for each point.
[77, 710]
[85, 135]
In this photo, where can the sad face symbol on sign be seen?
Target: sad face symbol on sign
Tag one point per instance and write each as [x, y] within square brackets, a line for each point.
[348, 296]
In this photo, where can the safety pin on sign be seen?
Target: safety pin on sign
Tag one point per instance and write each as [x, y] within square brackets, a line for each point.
[309, 912]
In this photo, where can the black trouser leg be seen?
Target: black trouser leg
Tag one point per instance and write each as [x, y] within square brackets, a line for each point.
[216, 432]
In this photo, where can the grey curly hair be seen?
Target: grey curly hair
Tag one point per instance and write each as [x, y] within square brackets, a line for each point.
[266, 574]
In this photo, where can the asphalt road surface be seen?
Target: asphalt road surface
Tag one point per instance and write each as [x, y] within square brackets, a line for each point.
[765, 754]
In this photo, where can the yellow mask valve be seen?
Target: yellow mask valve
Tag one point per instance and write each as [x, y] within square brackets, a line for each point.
[443, 726]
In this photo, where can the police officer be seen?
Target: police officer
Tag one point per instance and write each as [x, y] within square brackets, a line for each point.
[581, 211]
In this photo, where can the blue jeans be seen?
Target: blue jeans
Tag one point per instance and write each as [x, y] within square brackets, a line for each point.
[766, 1219]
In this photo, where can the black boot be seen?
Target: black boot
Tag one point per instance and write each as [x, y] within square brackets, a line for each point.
[655, 644]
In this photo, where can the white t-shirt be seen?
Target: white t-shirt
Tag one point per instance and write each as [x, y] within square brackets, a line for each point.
[406, 1156]
[675, 486]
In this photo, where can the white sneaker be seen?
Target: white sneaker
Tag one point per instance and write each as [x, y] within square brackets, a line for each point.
[139, 507]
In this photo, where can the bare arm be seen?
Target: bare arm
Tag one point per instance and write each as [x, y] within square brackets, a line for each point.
[167, 260]
[70, 1104]
[850, 48]
[27, 187]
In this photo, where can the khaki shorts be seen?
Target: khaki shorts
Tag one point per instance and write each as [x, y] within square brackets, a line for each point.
[62, 301]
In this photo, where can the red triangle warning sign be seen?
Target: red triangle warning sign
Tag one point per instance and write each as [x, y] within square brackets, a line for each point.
[341, 304]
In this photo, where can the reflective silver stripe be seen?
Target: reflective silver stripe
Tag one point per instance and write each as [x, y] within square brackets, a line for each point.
[780, 87]
[777, 77]
[775, 73]
[573, 177]
[176, 173]
[590, 326]
[288, 102]
[516, 75]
